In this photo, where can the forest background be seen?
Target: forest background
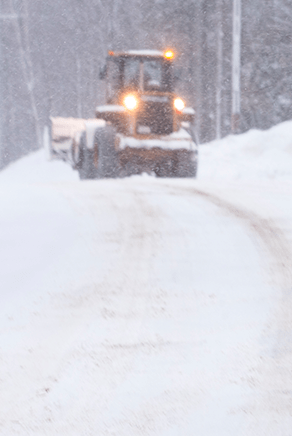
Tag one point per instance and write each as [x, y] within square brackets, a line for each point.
[51, 53]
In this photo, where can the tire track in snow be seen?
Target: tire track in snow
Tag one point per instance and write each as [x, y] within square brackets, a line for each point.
[270, 409]
[271, 236]
[125, 280]
[272, 377]
[157, 413]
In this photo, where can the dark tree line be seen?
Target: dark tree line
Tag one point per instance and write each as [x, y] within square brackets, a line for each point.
[51, 53]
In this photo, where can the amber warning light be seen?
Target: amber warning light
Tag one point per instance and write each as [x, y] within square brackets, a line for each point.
[169, 54]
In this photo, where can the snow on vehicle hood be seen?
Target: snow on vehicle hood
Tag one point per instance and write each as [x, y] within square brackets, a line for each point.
[174, 141]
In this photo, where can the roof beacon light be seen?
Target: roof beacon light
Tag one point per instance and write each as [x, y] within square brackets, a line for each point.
[111, 53]
[169, 54]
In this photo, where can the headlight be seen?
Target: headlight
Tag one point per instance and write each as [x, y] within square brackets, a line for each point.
[131, 102]
[179, 104]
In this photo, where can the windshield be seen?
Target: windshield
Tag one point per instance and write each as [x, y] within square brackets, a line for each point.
[131, 73]
[113, 83]
[152, 74]
[156, 74]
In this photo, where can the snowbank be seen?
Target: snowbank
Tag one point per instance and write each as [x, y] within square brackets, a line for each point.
[35, 168]
[252, 155]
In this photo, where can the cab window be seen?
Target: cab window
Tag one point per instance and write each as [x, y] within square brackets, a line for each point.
[113, 82]
[152, 75]
[131, 73]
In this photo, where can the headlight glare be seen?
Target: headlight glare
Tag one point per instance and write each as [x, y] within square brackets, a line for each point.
[179, 104]
[130, 102]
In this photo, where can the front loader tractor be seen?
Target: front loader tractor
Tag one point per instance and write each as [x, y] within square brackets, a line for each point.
[144, 126]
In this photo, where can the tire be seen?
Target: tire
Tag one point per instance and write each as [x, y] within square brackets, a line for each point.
[85, 165]
[108, 165]
[164, 168]
[184, 164]
[75, 153]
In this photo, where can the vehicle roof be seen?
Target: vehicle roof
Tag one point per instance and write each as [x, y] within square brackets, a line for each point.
[146, 53]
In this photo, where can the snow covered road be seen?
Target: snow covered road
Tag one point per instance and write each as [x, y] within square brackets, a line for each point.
[144, 306]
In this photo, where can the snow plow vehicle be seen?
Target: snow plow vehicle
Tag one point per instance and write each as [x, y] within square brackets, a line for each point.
[143, 128]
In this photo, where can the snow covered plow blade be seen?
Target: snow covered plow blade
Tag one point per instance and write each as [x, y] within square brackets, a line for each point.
[72, 138]
[63, 132]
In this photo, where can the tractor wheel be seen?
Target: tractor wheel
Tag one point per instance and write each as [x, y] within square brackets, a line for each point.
[184, 164]
[164, 168]
[75, 153]
[85, 163]
[106, 156]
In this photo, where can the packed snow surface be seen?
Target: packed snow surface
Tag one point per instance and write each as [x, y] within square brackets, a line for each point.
[147, 306]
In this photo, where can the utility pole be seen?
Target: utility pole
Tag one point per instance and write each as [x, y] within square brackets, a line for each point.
[1, 96]
[196, 68]
[3, 17]
[219, 68]
[235, 121]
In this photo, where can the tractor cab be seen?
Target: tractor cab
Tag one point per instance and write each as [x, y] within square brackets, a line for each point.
[140, 93]
[139, 72]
